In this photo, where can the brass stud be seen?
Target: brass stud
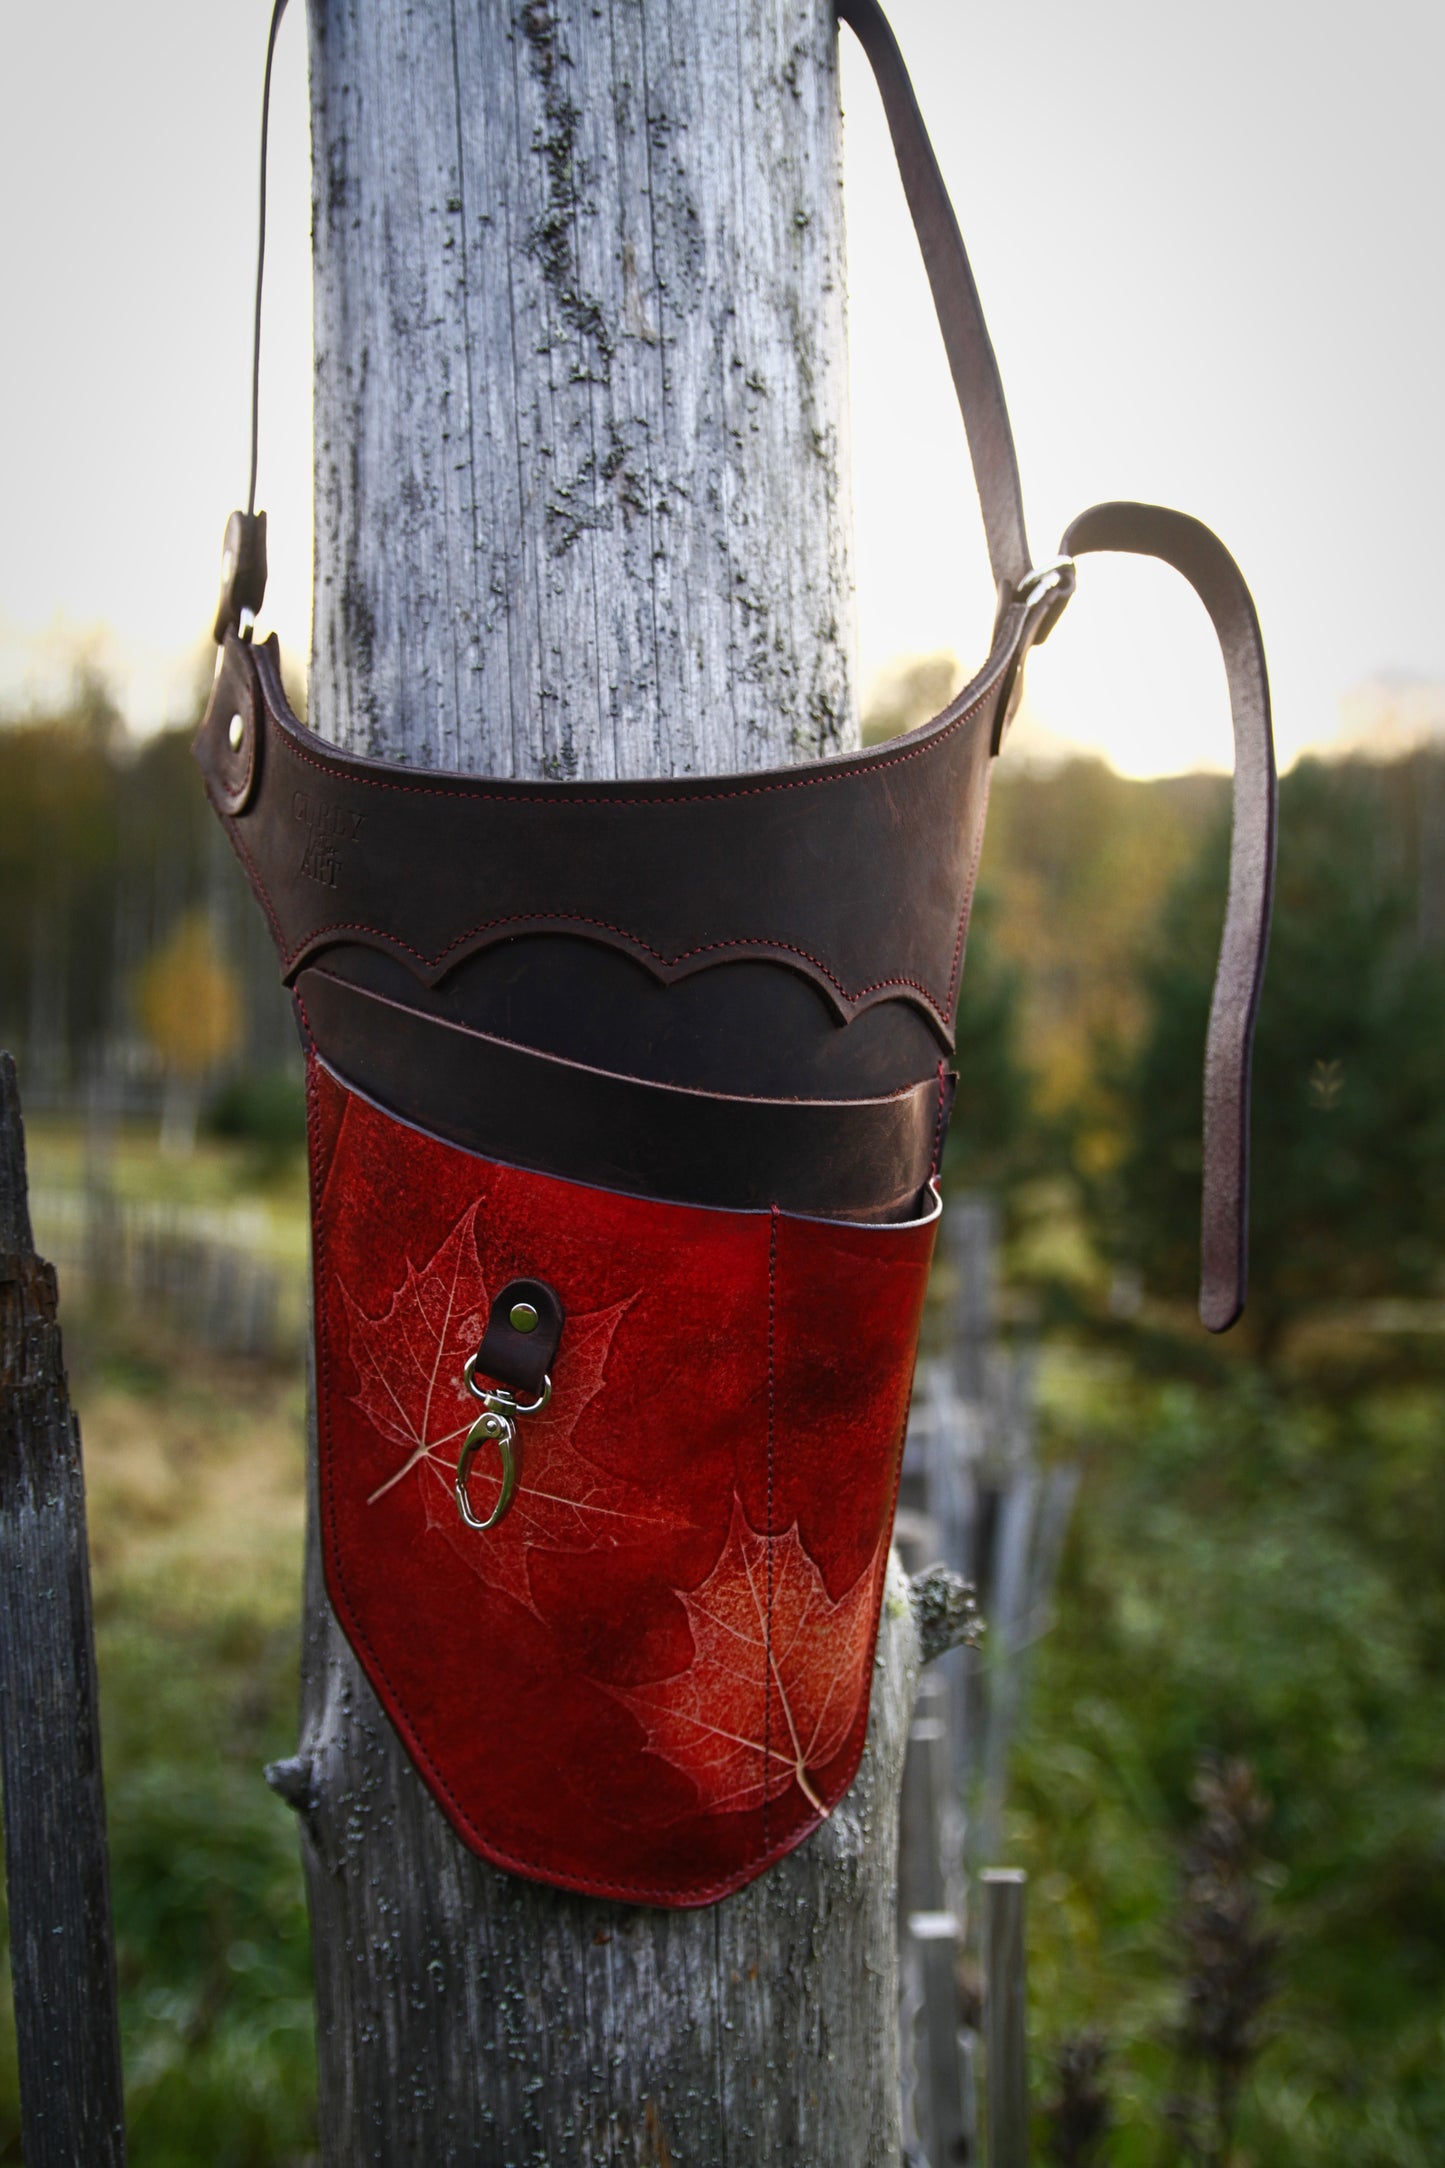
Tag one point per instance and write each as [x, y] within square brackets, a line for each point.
[523, 1317]
[236, 733]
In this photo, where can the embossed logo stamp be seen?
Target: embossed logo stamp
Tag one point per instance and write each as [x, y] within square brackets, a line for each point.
[328, 827]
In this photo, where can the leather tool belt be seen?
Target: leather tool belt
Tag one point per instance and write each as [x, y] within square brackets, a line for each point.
[626, 1105]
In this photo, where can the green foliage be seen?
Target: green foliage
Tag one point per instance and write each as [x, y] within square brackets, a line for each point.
[107, 846]
[211, 1924]
[1265, 1578]
[1076, 2111]
[1349, 1078]
[266, 1108]
[1228, 1949]
[59, 840]
[992, 1139]
[211, 1933]
[192, 1471]
[1080, 861]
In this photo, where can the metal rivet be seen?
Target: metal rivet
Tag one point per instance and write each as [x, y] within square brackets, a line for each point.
[523, 1317]
[236, 733]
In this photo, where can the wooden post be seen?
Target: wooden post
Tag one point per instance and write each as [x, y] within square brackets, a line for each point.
[1006, 2070]
[62, 1953]
[972, 1242]
[582, 510]
[937, 2066]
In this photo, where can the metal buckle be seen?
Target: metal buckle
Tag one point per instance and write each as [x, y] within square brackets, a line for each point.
[1042, 580]
[511, 1404]
[496, 1426]
[1045, 590]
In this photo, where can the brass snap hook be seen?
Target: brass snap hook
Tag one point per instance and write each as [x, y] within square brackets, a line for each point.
[494, 1427]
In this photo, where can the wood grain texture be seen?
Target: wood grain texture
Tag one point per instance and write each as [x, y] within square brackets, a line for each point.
[466, 2015]
[1006, 2065]
[62, 1952]
[582, 510]
[581, 476]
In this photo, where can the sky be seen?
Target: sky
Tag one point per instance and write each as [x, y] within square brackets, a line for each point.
[1207, 243]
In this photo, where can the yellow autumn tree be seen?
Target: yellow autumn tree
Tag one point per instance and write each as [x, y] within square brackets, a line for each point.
[188, 1002]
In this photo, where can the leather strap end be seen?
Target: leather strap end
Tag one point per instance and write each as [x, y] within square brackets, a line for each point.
[1224, 1200]
[1150, 530]
[243, 573]
[228, 744]
[523, 1333]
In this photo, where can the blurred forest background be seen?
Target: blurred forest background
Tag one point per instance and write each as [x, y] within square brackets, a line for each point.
[1254, 1575]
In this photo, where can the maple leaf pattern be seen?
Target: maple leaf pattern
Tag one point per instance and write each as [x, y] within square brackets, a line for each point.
[410, 1390]
[757, 1711]
[409, 1360]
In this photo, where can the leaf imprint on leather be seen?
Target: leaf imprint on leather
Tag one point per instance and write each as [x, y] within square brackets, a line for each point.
[753, 1713]
[408, 1363]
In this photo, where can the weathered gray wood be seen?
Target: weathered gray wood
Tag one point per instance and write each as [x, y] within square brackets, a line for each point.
[467, 2015]
[937, 2075]
[62, 1952]
[581, 478]
[1006, 2068]
[582, 510]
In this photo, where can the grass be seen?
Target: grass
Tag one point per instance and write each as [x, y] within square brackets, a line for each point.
[195, 1472]
[1255, 1572]
[264, 1192]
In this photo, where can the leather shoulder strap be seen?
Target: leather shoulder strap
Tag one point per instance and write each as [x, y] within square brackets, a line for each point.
[955, 298]
[1149, 530]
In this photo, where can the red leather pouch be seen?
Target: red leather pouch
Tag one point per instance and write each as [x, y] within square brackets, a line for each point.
[670, 1054]
[650, 1678]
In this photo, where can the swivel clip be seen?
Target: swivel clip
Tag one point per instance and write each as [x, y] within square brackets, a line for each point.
[1054, 578]
[496, 1425]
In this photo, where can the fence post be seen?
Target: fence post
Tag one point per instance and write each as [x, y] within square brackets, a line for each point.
[1005, 2013]
[62, 1952]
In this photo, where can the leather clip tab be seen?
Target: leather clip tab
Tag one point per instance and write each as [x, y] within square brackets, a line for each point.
[520, 1343]
[1054, 580]
[243, 575]
[228, 743]
[1042, 595]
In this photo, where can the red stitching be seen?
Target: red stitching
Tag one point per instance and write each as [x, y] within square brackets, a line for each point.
[963, 918]
[257, 885]
[463, 1821]
[851, 998]
[577, 918]
[938, 1125]
[768, 1617]
[340, 769]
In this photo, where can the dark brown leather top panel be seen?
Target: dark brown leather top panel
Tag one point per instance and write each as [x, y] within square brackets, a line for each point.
[856, 874]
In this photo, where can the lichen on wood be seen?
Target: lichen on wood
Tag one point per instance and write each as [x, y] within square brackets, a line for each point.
[581, 480]
[582, 509]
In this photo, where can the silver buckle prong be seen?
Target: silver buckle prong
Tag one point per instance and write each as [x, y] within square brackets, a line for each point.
[1041, 580]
